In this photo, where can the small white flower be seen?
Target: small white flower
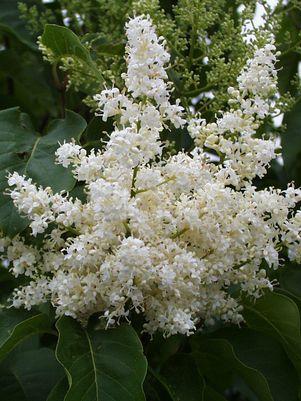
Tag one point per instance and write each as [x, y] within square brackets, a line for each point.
[67, 153]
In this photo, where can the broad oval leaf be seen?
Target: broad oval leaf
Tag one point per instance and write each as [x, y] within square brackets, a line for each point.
[41, 165]
[263, 353]
[59, 391]
[211, 395]
[216, 357]
[101, 365]
[278, 316]
[32, 92]
[275, 314]
[183, 379]
[17, 138]
[29, 375]
[63, 43]
[179, 380]
[155, 389]
[27, 153]
[10, 388]
[17, 325]
[161, 349]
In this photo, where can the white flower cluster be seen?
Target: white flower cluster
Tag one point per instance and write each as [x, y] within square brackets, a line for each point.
[167, 238]
[231, 136]
[145, 78]
[146, 58]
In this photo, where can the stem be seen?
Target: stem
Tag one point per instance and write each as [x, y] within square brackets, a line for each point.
[133, 192]
[61, 87]
[196, 92]
[206, 104]
[179, 233]
[73, 231]
[127, 229]
[241, 264]
[57, 82]
[140, 191]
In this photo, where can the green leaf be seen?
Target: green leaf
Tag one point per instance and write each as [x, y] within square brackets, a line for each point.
[10, 388]
[16, 133]
[183, 379]
[263, 353]
[211, 395]
[155, 389]
[59, 391]
[278, 316]
[17, 138]
[179, 380]
[96, 133]
[25, 152]
[102, 365]
[7, 284]
[217, 358]
[160, 349]
[42, 157]
[63, 43]
[18, 325]
[29, 375]
[33, 93]
[102, 45]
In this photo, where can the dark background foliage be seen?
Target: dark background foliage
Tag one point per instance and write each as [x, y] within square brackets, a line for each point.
[46, 360]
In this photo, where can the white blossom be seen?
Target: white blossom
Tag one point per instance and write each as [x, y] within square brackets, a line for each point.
[163, 236]
[231, 136]
[146, 59]
[68, 152]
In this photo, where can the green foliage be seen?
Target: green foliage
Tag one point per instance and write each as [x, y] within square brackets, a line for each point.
[59, 391]
[28, 153]
[278, 315]
[101, 364]
[182, 378]
[30, 381]
[42, 104]
[217, 356]
[197, 69]
[63, 43]
[63, 46]
[16, 327]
